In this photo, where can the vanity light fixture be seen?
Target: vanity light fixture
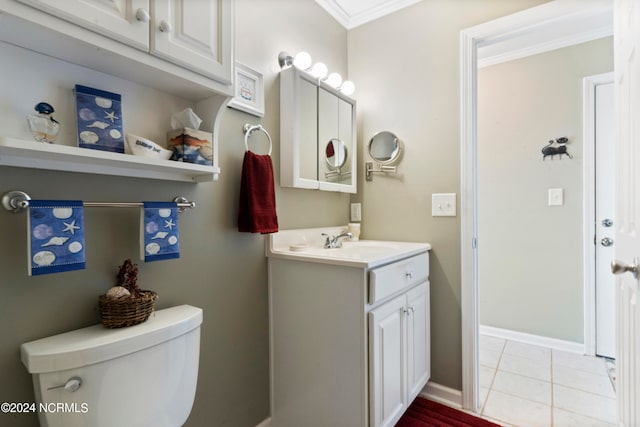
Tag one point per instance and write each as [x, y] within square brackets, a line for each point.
[319, 70]
[347, 87]
[334, 80]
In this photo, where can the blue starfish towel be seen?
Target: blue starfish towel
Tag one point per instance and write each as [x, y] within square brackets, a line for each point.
[159, 238]
[56, 236]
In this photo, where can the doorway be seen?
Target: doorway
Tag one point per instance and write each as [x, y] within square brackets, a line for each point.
[520, 30]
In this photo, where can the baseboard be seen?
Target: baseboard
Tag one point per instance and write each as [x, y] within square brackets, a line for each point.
[432, 391]
[568, 346]
[442, 394]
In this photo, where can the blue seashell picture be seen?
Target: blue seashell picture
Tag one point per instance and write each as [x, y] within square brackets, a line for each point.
[99, 118]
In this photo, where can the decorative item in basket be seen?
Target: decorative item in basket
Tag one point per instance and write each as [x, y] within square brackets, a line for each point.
[126, 304]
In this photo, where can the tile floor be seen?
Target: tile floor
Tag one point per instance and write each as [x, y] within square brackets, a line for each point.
[529, 386]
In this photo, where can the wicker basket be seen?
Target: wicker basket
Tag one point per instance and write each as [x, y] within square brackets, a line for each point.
[121, 312]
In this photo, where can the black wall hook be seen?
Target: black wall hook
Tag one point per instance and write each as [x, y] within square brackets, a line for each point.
[559, 146]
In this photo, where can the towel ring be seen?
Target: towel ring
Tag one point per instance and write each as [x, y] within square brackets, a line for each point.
[248, 128]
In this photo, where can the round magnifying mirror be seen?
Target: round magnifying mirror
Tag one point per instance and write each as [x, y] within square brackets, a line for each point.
[335, 154]
[384, 147]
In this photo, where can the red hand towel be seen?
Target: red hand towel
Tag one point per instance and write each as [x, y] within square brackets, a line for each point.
[257, 212]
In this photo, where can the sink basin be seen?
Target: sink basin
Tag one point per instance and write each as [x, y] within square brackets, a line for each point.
[306, 245]
[361, 249]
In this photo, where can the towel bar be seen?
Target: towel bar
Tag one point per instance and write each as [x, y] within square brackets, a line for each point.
[17, 201]
[248, 128]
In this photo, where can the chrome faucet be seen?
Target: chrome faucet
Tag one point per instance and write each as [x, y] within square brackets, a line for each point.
[335, 242]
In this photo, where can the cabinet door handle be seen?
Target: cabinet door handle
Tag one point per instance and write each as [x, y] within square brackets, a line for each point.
[165, 27]
[408, 275]
[142, 15]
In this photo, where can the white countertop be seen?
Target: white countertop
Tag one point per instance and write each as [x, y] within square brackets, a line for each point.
[307, 245]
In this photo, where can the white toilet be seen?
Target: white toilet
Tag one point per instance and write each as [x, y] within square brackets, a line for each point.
[143, 375]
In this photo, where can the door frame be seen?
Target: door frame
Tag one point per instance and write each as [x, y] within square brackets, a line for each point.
[518, 35]
[589, 85]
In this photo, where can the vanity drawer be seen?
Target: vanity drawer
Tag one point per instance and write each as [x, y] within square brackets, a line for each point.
[388, 280]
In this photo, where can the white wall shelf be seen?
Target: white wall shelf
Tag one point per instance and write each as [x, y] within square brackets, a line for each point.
[36, 155]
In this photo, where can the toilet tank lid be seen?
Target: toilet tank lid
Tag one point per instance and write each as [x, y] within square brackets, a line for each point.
[96, 343]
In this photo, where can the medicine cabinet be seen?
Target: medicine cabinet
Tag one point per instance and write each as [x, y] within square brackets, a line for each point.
[317, 134]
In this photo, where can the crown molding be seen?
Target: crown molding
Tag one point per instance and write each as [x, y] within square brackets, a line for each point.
[348, 21]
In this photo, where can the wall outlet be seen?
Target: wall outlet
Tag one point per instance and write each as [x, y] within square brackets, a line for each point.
[556, 197]
[443, 204]
[356, 212]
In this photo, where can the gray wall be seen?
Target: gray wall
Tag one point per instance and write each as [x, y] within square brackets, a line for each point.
[406, 70]
[530, 257]
[220, 270]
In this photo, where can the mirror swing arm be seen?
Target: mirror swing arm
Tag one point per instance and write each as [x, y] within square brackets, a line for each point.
[370, 170]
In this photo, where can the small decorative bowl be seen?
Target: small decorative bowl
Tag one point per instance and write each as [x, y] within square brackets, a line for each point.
[139, 146]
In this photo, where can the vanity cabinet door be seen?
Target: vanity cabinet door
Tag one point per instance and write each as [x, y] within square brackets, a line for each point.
[194, 34]
[387, 357]
[399, 354]
[418, 340]
[113, 18]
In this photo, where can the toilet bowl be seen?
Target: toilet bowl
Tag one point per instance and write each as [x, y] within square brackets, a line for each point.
[143, 375]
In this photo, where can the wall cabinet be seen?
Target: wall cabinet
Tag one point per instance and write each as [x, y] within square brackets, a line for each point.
[196, 35]
[317, 134]
[177, 47]
[350, 345]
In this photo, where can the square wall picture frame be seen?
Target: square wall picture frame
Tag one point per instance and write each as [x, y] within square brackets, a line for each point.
[249, 90]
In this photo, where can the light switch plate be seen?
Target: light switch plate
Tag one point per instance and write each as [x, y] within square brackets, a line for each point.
[443, 204]
[356, 212]
[556, 197]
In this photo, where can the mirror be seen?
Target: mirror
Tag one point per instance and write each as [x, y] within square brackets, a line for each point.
[317, 134]
[335, 154]
[385, 147]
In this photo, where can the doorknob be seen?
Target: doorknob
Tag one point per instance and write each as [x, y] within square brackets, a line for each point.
[607, 241]
[607, 222]
[618, 267]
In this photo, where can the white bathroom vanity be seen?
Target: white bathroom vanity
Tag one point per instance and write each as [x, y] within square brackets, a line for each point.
[349, 329]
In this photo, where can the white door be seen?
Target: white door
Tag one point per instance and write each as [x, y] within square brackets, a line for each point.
[605, 220]
[418, 340]
[387, 354]
[627, 248]
[194, 34]
[124, 20]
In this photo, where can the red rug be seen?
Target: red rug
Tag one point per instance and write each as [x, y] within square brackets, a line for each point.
[427, 413]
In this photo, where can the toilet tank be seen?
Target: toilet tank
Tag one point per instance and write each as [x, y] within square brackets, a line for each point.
[143, 375]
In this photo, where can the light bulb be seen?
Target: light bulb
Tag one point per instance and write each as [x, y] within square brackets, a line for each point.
[302, 60]
[319, 70]
[348, 87]
[334, 80]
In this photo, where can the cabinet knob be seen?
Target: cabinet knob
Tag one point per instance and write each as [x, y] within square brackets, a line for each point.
[408, 275]
[165, 27]
[142, 15]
